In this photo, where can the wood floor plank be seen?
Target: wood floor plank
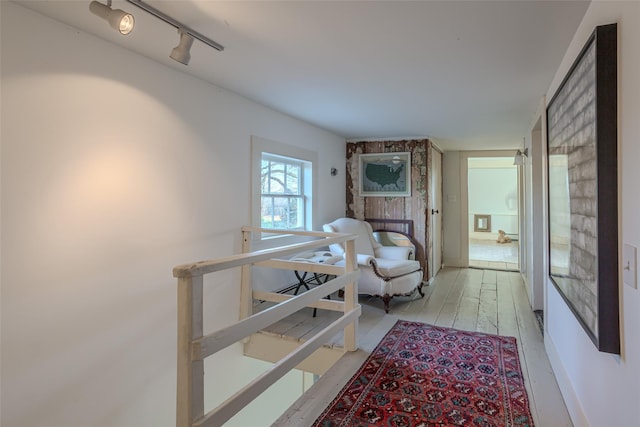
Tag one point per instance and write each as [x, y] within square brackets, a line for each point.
[369, 340]
[415, 305]
[310, 405]
[488, 309]
[431, 308]
[467, 311]
[449, 310]
[314, 325]
[507, 322]
[489, 276]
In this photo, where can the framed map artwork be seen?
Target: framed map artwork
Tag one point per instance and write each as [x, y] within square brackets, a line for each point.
[385, 174]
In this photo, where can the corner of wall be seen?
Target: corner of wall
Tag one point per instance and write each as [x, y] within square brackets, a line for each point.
[454, 262]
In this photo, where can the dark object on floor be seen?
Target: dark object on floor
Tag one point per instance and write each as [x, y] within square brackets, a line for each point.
[540, 318]
[421, 374]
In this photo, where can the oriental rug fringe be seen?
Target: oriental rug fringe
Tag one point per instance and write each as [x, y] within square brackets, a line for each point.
[424, 375]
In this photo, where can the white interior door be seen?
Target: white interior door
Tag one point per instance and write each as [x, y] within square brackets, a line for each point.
[436, 210]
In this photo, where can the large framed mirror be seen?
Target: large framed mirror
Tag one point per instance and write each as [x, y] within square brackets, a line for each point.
[392, 238]
[395, 232]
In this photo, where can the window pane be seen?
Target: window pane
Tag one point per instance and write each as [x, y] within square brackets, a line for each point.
[296, 214]
[293, 179]
[276, 178]
[266, 213]
[264, 176]
[282, 212]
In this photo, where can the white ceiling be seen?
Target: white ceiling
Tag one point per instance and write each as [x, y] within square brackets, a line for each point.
[467, 74]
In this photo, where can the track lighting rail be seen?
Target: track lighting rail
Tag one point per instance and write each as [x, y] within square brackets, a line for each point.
[169, 20]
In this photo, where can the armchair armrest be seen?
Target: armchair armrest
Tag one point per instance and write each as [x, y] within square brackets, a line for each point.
[363, 259]
[394, 252]
[369, 261]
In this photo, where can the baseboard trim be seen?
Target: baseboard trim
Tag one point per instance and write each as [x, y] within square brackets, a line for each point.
[578, 417]
[454, 262]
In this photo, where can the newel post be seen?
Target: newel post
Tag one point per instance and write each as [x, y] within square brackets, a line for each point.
[350, 297]
[190, 381]
[246, 290]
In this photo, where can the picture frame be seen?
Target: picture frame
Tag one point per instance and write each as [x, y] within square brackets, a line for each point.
[583, 189]
[385, 174]
[482, 223]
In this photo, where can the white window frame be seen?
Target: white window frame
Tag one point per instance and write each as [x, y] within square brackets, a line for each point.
[299, 197]
[309, 160]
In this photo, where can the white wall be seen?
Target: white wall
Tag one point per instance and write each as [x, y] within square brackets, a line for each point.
[114, 170]
[601, 389]
[494, 192]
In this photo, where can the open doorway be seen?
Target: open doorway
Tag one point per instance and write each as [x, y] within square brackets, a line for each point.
[493, 210]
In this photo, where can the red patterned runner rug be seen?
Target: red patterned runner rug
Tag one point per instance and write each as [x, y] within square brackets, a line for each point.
[424, 375]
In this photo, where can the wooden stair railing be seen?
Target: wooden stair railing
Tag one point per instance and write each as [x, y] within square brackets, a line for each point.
[194, 347]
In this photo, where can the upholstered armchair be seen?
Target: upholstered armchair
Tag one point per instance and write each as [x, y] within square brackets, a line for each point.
[385, 271]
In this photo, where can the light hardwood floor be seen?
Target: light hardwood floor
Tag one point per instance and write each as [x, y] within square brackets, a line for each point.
[485, 253]
[487, 301]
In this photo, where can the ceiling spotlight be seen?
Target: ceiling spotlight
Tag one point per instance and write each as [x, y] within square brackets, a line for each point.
[181, 52]
[117, 19]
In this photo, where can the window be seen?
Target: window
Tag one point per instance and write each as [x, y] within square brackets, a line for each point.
[282, 204]
[282, 185]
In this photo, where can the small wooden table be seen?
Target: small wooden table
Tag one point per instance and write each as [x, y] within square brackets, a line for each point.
[316, 279]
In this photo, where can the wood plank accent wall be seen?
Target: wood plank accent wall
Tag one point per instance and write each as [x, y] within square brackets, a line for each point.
[414, 207]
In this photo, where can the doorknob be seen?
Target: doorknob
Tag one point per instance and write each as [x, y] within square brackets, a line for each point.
[434, 211]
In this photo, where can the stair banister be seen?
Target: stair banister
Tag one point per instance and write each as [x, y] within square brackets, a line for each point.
[194, 347]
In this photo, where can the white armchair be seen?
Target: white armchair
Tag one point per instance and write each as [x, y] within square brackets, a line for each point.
[385, 271]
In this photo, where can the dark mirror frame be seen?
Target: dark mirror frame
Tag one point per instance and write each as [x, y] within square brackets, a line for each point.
[582, 140]
[402, 226]
[387, 241]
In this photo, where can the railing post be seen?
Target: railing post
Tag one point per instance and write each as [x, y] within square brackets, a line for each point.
[350, 297]
[246, 290]
[190, 381]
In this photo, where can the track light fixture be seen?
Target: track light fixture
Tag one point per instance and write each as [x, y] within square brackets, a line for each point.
[118, 19]
[180, 26]
[124, 22]
[181, 53]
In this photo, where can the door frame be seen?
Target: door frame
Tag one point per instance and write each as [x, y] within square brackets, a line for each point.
[464, 199]
[432, 218]
[537, 261]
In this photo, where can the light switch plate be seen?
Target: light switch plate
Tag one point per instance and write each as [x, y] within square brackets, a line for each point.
[451, 198]
[629, 266]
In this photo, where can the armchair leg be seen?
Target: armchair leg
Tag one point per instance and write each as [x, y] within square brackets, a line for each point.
[420, 290]
[386, 299]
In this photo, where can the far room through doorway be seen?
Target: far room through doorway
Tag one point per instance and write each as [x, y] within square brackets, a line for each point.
[493, 213]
